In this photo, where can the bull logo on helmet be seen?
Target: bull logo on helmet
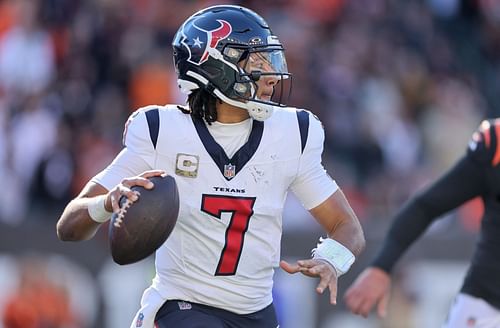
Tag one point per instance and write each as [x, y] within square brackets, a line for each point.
[202, 41]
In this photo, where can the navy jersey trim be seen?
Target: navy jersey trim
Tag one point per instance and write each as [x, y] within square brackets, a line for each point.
[303, 118]
[241, 157]
[153, 118]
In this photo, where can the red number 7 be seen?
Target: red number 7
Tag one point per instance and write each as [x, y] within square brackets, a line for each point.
[241, 209]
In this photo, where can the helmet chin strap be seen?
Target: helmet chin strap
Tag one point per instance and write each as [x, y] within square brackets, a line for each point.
[257, 111]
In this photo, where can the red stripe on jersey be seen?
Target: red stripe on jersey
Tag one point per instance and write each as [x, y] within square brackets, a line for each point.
[485, 131]
[496, 158]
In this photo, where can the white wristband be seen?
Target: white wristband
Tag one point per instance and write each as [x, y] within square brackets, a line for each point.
[96, 209]
[339, 256]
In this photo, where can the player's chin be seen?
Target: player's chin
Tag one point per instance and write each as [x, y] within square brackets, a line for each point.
[265, 97]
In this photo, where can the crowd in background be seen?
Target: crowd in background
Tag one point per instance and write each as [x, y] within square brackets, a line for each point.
[399, 86]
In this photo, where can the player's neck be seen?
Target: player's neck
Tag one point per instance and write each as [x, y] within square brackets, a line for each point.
[230, 114]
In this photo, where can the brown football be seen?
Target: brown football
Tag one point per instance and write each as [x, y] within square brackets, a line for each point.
[141, 227]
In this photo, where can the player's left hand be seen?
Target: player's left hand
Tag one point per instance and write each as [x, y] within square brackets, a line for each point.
[316, 268]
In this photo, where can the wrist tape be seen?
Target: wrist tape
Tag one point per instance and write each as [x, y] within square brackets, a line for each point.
[96, 209]
[333, 252]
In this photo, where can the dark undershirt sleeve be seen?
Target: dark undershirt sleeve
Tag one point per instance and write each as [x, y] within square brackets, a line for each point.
[461, 183]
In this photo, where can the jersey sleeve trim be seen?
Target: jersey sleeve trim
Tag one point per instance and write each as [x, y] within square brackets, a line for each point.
[303, 119]
[153, 118]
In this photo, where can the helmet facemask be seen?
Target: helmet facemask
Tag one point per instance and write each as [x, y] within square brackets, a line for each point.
[262, 79]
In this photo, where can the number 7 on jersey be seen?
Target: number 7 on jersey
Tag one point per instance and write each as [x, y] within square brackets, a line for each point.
[241, 209]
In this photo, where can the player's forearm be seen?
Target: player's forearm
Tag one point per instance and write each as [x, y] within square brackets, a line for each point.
[346, 240]
[408, 225]
[340, 222]
[75, 223]
[350, 234]
[459, 184]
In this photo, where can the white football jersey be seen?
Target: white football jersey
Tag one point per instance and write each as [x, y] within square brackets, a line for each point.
[227, 238]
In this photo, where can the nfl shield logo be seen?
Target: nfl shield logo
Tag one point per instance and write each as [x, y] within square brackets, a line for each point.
[229, 171]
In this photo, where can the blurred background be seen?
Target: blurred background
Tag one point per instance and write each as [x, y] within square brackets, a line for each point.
[400, 86]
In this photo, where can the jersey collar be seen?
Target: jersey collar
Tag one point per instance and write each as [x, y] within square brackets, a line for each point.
[229, 167]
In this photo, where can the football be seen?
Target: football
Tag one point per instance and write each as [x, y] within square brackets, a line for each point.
[139, 228]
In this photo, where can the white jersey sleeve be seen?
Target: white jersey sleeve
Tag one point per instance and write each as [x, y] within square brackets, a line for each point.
[313, 185]
[139, 154]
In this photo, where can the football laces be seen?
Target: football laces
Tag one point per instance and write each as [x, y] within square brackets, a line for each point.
[121, 213]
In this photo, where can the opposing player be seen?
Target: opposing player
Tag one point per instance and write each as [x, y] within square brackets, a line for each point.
[235, 151]
[476, 174]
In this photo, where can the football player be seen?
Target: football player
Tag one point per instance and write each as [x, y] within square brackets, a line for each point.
[235, 151]
[476, 174]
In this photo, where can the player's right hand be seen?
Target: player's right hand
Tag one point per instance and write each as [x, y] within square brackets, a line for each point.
[123, 189]
[372, 287]
[316, 268]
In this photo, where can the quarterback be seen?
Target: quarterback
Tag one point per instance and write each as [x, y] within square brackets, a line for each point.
[235, 151]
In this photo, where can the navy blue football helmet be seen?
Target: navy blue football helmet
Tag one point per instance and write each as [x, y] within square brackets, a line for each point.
[225, 50]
